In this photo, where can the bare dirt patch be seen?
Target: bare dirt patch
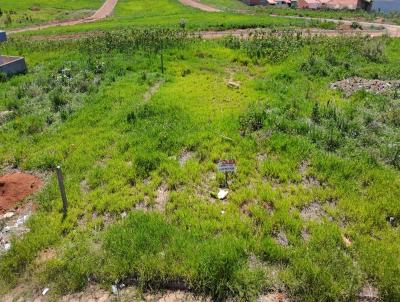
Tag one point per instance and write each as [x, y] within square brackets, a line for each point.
[152, 90]
[184, 157]
[45, 256]
[92, 293]
[352, 85]
[313, 212]
[368, 293]
[281, 238]
[308, 180]
[162, 197]
[305, 235]
[273, 297]
[13, 224]
[130, 294]
[200, 6]
[14, 187]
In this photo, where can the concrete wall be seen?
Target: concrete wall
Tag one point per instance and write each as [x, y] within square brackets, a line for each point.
[12, 65]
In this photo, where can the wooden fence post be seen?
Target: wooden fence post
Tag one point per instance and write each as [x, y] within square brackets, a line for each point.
[62, 191]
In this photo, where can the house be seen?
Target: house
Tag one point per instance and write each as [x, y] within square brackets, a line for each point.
[280, 3]
[336, 4]
[311, 4]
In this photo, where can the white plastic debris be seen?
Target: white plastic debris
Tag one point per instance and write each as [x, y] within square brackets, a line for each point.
[234, 85]
[222, 212]
[44, 291]
[7, 246]
[222, 194]
[8, 215]
[114, 289]
[21, 220]
[123, 214]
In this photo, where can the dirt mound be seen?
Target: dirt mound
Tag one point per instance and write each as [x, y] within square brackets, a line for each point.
[14, 187]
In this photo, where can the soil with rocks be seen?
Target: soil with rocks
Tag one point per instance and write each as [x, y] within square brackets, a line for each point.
[368, 293]
[314, 212]
[14, 187]
[351, 85]
[13, 224]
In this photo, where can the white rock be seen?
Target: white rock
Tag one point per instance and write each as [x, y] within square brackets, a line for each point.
[232, 84]
[44, 291]
[222, 194]
[8, 215]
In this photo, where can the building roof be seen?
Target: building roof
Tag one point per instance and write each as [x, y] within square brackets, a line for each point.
[336, 3]
[312, 1]
[343, 2]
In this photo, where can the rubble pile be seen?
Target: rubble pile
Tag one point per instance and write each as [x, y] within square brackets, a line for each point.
[13, 224]
[354, 84]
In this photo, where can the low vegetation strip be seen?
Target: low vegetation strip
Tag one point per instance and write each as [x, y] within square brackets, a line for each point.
[312, 209]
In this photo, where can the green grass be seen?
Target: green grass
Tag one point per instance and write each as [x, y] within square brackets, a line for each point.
[170, 13]
[28, 12]
[357, 15]
[82, 105]
[360, 15]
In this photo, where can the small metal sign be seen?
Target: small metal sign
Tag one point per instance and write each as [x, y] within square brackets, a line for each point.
[227, 165]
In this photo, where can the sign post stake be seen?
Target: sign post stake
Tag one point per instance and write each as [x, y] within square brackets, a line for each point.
[62, 191]
[162, 63]
[226, 166]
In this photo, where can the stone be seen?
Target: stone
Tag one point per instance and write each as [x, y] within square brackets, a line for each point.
[233, 85]
[8, 215]
[222, 193]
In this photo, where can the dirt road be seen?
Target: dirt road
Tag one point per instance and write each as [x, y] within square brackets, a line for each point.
[104, 11]
[200, 6]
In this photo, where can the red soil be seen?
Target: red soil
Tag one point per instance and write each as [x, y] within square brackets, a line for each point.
[14, 187]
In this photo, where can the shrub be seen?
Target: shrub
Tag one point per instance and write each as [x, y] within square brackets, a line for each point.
[146, 162]
[3, 77]
[356, 25]
[231, 42]
[374, 51]
[58, 99]
[253, 118]
[315, 115]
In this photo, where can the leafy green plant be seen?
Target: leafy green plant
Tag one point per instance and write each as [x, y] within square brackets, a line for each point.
[253, 118]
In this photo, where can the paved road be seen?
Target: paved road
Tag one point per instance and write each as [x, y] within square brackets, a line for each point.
[104, 11]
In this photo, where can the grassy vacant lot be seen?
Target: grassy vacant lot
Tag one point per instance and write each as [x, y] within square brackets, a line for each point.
[27, 12]
[167, 12]
[173, 14]
[139, 151]
[361, 15]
